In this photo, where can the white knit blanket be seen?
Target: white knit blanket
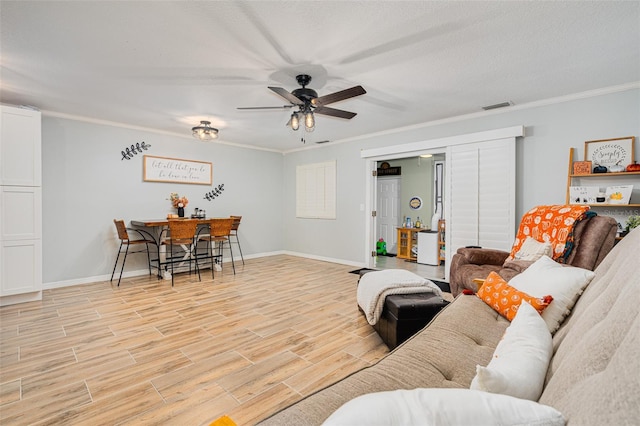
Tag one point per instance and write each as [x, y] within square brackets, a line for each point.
[374, 287]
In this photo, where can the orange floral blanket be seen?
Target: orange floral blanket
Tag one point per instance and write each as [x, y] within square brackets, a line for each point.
[553, 223]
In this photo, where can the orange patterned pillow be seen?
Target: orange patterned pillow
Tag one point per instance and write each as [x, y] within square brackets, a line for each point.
[498, 294]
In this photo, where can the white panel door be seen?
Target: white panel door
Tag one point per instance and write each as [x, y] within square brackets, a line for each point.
[20, 146]
[387, 211]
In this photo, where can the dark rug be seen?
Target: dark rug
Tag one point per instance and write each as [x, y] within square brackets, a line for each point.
[443, 285]
[388, 255]
[357, 271]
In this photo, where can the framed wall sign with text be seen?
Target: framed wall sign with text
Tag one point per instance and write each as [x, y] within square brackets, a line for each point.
[163, 169]
[607, 152]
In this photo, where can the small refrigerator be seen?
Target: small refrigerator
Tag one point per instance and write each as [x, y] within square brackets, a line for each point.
[428, 248]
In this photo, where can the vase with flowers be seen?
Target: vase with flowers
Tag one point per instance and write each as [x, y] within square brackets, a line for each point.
[179, 203]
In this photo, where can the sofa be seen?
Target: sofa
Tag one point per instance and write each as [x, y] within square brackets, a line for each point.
[594, 238]
[592, 377]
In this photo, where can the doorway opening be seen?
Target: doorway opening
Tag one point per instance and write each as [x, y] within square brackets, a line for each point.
[414, 193]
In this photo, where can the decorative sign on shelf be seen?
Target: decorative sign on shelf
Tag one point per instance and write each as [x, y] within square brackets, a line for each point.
[176, 170]
[583, 194]
[130, 152]
[619, 194]
[582, 167]
[608, 152]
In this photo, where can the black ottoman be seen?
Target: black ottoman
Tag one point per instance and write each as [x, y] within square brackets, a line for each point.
[405, 314]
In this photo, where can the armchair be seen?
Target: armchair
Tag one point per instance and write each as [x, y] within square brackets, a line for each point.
[593, 238]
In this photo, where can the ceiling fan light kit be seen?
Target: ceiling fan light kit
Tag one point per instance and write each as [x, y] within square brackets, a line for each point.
[308, 102]
[204, 131]
[309, 121]
[295, 121]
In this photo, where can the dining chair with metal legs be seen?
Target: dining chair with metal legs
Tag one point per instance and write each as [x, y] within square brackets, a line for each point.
[234, 233]
[219, 233]
[182, 233]
[144, 238]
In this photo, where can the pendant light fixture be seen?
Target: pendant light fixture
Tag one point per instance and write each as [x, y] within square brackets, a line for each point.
[204, 131]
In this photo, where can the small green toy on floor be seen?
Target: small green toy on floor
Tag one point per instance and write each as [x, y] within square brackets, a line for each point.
[381, 247]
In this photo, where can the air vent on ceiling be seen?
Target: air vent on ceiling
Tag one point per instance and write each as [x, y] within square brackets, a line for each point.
[323, 141]
[496, 106]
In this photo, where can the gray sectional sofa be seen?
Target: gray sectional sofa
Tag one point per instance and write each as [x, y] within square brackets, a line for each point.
[593, 377]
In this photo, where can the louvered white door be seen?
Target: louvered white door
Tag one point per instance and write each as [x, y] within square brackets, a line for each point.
[481, 195]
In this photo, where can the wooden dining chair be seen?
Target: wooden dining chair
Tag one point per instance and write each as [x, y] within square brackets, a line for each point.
[219, 233]
[181, 232]
[234, 233]
[143, 238]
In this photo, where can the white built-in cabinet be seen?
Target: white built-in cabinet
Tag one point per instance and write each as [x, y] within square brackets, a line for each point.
[20, 205]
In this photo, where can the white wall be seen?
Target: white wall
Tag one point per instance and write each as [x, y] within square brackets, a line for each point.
[338, 239]
[542, 159]
[417, 181]
[86, 185]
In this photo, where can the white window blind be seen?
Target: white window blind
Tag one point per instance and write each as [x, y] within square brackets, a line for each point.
[316, 190]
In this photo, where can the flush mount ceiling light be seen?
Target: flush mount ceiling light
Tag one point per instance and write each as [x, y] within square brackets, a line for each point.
[204, 131]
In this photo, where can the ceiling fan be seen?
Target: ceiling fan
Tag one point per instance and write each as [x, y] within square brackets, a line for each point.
[308, 103]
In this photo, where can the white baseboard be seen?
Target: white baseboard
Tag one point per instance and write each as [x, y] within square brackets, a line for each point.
[326, 259]
[20, 298]
[136, 273]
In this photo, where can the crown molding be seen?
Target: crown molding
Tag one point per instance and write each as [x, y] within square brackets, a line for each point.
[518, 107]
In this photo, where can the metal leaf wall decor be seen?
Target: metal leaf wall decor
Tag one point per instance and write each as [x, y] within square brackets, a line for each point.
[133, 150]
[209, 196]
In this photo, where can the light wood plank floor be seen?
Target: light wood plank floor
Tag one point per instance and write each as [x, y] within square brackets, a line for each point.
[147, 353]
[427, 271]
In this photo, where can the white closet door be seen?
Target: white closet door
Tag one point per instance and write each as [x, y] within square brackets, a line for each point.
[481, 194]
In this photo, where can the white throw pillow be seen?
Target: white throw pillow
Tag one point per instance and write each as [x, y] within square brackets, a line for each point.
[424, 407]
[521, 359]
[533, 249]
[564, 283]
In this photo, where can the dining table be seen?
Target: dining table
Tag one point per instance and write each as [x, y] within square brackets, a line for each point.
[156, 228]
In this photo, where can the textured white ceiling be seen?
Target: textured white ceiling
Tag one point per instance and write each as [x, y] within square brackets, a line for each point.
[169, 64]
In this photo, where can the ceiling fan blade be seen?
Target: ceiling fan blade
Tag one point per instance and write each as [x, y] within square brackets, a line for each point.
[334, 112]
[273, 107]
[288, 96]
[339, 96]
